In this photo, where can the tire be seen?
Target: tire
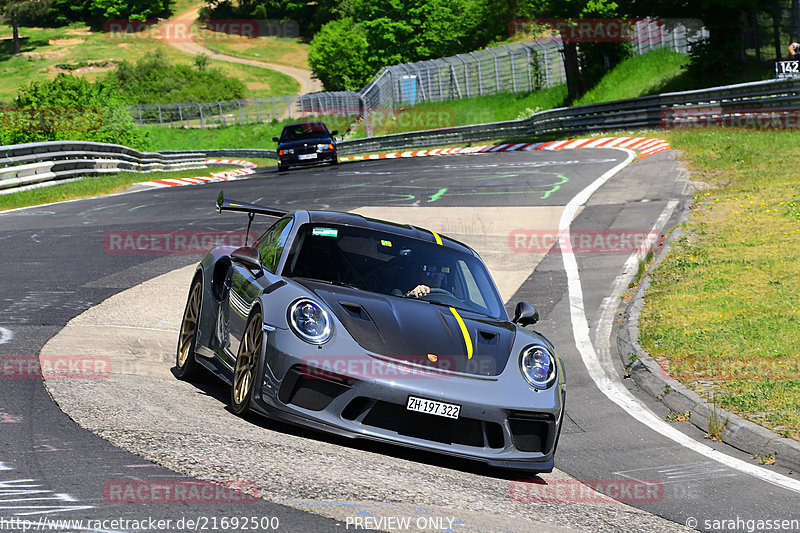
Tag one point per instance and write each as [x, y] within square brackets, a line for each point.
[187, 367]
[335, 161]
[282, 168]
[244, 373]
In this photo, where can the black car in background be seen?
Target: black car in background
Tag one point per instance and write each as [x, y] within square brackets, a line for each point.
[306, 143]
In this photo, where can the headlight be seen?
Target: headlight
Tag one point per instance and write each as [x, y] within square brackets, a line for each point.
[538, 366]
[310, 321]
[286, 151]
[321, 147]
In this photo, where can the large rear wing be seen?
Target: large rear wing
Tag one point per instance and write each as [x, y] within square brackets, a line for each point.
[244, 207]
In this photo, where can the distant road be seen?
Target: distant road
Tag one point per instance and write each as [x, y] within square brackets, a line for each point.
[303, 77]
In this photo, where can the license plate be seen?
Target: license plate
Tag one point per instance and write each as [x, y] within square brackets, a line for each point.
[432, 407]
[307, 156]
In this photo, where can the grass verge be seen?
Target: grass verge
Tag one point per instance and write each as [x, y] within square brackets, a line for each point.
[93, 186]
[722, 312]
[641, 75]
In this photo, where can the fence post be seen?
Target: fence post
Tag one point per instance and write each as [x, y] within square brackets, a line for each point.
[202, 119]
[391, 91]
[480, 75]
[365, 114]
[466, 75]
[513, 69]
[240, 110]
[546, 68]
[180, 114]
[141, 122]
[258, 111]
[530, 67]
[496, 72]
[160, 122]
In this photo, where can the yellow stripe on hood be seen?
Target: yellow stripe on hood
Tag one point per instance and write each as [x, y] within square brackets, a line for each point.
[464, 332]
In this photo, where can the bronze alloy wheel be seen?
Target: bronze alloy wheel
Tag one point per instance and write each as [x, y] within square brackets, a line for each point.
[244, 374]
[187, 366]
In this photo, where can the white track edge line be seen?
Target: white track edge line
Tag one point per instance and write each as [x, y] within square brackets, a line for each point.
[611, 387]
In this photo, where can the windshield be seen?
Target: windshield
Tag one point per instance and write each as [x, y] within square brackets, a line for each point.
[312, 130]
[389, 264]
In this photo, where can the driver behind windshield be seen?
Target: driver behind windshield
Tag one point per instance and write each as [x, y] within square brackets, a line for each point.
[430, 276]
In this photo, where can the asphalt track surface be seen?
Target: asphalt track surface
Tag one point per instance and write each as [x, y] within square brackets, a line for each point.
[55, 265]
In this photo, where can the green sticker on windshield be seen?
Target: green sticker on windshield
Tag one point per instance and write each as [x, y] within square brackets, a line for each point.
[325, 232]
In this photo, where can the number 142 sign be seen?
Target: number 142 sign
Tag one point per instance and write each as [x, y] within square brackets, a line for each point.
[787, 69]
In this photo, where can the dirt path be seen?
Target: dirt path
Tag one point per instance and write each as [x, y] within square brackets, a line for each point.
[303, 77]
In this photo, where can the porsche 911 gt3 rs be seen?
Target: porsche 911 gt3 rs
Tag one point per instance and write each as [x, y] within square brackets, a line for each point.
[371, 329]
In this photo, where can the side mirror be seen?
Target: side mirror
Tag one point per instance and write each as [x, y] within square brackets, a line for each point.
[334, 132]
[525, 314]
[249, 257]
[274, 139]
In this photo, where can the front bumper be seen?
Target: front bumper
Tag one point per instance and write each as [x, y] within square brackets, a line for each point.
[518, 430]
[326, 156]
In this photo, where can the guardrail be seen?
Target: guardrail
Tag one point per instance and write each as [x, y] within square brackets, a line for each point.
[772, 103]
[34, 164]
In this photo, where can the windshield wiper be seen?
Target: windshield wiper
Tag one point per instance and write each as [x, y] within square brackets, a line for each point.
[330, 282]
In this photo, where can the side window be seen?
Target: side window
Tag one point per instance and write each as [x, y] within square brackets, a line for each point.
[473, 292]
[271, 244]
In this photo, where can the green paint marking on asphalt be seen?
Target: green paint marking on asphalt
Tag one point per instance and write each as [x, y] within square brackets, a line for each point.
[437, 195]
[556, 186]
[139, 207]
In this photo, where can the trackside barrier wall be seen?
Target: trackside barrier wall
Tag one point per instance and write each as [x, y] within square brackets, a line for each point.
[33, 164]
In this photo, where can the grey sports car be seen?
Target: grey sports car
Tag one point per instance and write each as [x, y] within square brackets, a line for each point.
[370, 329]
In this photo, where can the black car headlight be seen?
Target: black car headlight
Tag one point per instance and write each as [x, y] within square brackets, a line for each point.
[287, 151]
[310, 321]
[538, 366]
[321, 147]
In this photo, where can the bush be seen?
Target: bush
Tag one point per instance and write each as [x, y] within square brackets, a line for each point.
[69, 108]
[152, 80]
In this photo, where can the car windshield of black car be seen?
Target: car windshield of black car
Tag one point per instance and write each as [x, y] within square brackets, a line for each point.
[304, 131]
[391, 264]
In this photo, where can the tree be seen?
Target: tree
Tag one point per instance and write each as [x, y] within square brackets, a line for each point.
[13, 10]
[127, 9]
[570, 12]
[723, 53]
[338, 55]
